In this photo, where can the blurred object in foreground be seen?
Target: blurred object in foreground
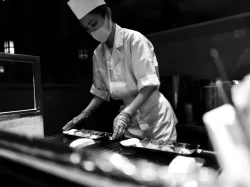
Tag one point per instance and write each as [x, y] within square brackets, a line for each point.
[227, 138]
[182, 171]
[102, 169]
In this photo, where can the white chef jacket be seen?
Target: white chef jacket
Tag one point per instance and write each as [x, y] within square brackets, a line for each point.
[121, 74]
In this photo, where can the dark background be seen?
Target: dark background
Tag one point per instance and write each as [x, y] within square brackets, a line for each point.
[50, 30]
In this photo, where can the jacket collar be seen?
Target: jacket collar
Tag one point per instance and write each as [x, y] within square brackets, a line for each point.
[118, 37]
[118, 42]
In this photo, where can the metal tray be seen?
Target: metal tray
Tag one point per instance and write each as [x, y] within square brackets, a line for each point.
[90, 134]
[177, 148]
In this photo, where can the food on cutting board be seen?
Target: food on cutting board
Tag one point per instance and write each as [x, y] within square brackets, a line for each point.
[80, 143]
[182, 150]
[84, 133]
[130, 142]
[93, 136]
[168, 146]
[70, 132]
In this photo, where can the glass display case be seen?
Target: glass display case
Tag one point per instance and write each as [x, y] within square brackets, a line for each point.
[20, 94]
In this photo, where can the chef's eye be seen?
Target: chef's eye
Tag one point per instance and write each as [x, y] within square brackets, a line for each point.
[94, 24]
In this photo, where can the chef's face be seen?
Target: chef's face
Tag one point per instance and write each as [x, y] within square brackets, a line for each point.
[92, 22]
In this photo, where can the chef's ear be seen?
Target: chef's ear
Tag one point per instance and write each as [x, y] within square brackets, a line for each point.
[109, 13]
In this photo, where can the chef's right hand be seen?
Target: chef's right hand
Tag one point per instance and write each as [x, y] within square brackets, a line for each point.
[72, 123]
[120, 124]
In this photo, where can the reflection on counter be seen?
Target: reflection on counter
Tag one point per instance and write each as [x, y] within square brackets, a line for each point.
[97, 165]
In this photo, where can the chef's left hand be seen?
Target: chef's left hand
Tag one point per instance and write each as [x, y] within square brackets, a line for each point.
[121, 123]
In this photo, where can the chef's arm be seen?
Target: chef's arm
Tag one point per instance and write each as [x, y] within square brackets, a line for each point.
[140, 99]
[94, 104]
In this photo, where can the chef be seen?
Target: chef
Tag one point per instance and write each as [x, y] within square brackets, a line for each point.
[125, 68]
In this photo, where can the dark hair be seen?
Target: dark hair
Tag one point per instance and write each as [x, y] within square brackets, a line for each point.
[101, 10]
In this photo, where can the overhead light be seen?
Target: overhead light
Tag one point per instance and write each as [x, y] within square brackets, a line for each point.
[5, 1]
[9, 47]
[83, 54]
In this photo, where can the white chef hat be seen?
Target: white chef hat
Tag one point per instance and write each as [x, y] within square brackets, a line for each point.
[83, 7]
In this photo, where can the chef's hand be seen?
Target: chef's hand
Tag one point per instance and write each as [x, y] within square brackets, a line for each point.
[121, 123]
[72, 123]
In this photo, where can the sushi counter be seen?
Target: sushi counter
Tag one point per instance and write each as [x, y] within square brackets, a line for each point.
[137, 153]
[53, 161]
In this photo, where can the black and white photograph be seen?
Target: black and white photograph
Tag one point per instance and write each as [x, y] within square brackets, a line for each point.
[125, 93]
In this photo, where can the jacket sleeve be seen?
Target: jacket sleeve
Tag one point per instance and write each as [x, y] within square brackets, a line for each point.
[144, 62]
[98, 87]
